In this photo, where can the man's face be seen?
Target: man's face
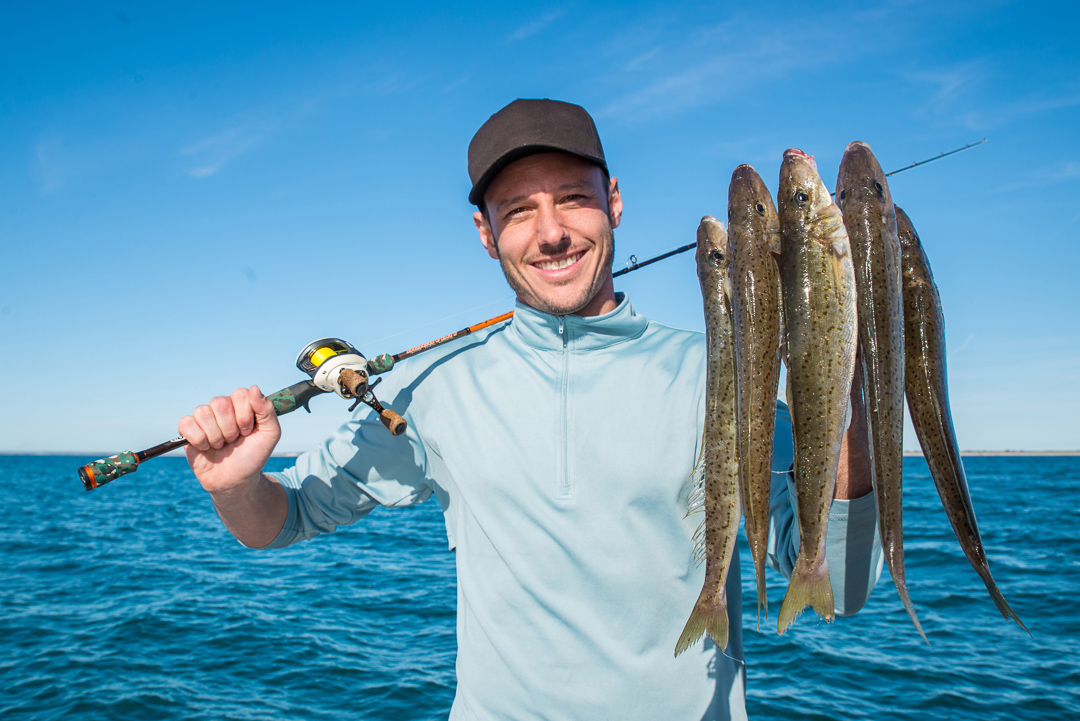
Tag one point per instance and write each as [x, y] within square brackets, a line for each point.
[551, 220]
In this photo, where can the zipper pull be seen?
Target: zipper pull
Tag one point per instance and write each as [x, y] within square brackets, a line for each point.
[562, 325]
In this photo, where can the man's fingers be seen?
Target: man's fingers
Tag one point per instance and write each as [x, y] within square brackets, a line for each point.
[263, 408]
[206, 418]
[189, 428]
[245, 416]
[226, 418]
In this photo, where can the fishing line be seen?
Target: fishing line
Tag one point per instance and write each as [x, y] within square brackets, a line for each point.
[440, 320]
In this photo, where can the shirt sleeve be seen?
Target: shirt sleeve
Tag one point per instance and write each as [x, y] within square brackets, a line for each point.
[852, 544]
[360, 467]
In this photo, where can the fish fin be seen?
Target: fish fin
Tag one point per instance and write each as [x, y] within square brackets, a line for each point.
[694, 488]
[709, 616]
[698, 543]
[695, 503]
[810, 586]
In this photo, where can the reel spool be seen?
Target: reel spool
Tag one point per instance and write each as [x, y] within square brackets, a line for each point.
[325, 360]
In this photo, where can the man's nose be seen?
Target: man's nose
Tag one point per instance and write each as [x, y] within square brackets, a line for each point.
[550, 226]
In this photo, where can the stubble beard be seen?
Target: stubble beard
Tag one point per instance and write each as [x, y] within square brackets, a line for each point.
[530, 298]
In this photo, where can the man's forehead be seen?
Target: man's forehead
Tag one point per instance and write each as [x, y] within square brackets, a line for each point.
[550, 172]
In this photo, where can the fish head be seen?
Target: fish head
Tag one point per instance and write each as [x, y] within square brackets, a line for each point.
[861, 180]
[712, 257]
[804, 201]
[750, 204]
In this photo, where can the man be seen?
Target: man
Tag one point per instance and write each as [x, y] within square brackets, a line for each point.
[558, 446]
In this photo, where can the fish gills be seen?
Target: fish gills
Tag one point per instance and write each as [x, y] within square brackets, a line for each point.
[863, 194]
[927, 391]
[818, 284]
[753, 240]
[718, 461]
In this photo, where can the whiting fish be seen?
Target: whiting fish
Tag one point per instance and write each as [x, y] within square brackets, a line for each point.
[819, 297]
[928, 400]
[863, 195]
[716, 488]
[753, 240]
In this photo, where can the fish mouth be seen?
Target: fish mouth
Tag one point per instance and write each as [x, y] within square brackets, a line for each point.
[796, 153]
[557, 264]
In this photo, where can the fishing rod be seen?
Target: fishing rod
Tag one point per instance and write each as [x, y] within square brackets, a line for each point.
[335, 366]
[939, 156]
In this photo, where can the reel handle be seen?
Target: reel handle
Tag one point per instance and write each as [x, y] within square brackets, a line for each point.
[393, 422]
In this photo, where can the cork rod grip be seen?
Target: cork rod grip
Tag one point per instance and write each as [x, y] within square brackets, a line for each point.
[393, 422]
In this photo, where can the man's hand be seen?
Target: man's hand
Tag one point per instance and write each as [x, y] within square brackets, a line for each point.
[230, 440]
[853, 477]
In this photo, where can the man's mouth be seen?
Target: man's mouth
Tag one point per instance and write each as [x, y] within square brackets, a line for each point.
[559, 264]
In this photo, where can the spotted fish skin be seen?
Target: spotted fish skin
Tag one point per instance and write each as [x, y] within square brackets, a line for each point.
[718, 463]
[862, 192]
[818, 283]
[926, 387]
[753, 243]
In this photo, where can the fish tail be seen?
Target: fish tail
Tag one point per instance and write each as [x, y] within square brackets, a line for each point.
[905, 598]
[810, 586]
[762, 598]
[709, 616]
[1000, 601]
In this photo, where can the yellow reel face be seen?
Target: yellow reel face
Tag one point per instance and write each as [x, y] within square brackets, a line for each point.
[321, 351]
[321, 354]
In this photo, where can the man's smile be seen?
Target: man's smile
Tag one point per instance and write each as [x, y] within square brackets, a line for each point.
[561, 263]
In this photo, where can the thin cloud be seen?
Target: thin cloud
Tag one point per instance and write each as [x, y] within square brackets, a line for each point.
[535, 26]
[213, 153]
[716, 61]
[640, 60]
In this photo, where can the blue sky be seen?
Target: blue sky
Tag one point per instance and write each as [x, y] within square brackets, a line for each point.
[191, 194]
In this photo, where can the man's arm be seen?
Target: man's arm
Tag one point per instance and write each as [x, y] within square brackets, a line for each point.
[853, 476]
[230, 439]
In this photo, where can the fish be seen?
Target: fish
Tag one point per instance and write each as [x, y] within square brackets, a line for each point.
[819, 297]
[862, 193]
[715, 480]
[926, 387]
[753, 241]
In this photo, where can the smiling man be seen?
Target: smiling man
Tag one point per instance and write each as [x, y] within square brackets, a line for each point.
[562, 483]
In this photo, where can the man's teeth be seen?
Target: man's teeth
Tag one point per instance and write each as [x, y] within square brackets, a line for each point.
[559, 264]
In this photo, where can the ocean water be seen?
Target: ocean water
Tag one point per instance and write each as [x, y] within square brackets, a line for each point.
[132, 602]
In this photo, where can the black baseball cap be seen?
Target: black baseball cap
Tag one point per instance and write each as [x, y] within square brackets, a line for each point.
[525, 127]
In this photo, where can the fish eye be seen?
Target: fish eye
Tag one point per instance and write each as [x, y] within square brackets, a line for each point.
[879, 189]
[801, 197]
[717, 257]
[760, 207]
[843, 194]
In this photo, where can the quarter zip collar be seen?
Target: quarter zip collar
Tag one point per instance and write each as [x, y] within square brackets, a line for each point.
[556, 332]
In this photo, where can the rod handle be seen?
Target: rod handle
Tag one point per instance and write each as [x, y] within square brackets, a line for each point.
[393, 422]
[108, 469]
[298, 395]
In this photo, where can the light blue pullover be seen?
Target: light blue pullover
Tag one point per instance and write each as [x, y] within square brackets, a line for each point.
[559, 449]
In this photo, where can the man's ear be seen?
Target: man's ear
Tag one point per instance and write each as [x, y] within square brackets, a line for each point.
[486, 236]
[614, 202]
